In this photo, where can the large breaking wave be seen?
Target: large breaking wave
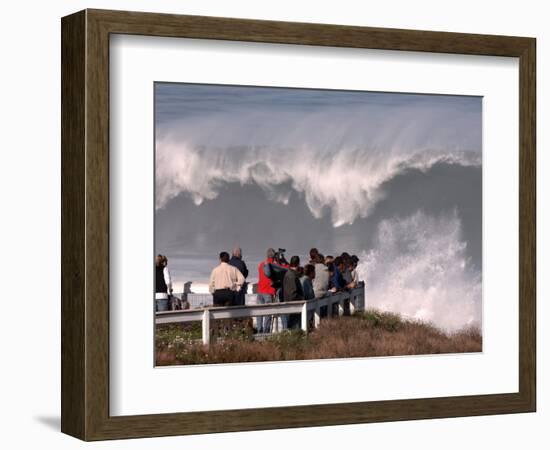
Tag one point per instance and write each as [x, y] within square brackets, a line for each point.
[345, 181]
[337, 157]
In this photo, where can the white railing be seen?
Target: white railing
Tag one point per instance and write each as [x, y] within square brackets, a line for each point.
[356, 298]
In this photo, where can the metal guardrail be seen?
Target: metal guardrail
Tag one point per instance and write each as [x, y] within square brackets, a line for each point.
[356, 298]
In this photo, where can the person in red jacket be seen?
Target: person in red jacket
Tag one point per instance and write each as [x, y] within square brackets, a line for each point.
[266, 293]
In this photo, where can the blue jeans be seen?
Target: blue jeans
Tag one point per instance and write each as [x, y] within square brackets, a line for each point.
[162, 304]
[264, 322]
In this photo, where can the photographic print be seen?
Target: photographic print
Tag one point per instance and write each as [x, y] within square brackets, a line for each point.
[352, 210]
[299, 224]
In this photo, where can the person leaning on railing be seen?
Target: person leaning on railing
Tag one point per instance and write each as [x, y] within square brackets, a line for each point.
[345, 269]
[337, 281]
[354, 273]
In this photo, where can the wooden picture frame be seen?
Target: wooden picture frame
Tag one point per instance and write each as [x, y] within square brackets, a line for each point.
[85, 224]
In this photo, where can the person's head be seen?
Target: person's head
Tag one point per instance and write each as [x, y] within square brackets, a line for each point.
[347, 261]
[224, 257]
[329, 259]
[270, 253]
[355, 260]
[237, 252]
[345, 255]
[294, 262]
[309, 271]
[339, 263]
[158, 260]
[164, 261]
[313, 254]
[330, 267]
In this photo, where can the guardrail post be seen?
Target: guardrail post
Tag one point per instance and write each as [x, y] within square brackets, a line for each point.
[317, 315]
[346, 297]
[304, 317]
[359, 296]
[206, 327]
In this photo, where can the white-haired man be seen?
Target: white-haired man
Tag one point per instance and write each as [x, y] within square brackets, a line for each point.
[237, 262]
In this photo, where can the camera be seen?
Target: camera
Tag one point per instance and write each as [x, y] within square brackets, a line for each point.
[276, 273]
[276, 270]
[280, 256]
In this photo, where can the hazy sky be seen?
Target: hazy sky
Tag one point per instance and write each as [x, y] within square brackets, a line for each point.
[297, 168]
[237, 115]
[175, 101]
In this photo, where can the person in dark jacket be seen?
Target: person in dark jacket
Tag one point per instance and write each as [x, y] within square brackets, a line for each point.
[307, 281]
[237, 262]
[337, 280]
[163, 284]
[292, 290]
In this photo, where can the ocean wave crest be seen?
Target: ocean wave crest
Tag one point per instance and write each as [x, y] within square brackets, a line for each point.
[347, 182]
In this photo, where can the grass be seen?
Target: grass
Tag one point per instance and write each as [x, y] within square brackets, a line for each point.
[370, 333]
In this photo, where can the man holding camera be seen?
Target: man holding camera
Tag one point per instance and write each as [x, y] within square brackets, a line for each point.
[266, 292]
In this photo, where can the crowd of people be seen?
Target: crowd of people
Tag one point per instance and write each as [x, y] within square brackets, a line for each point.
[278, 280]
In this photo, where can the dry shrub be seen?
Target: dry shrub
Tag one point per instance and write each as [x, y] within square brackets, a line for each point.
[371, 333]
[165, 357]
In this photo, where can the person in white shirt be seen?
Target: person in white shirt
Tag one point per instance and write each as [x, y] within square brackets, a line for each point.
[225, 282]
[163, 284]
[354, 273]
